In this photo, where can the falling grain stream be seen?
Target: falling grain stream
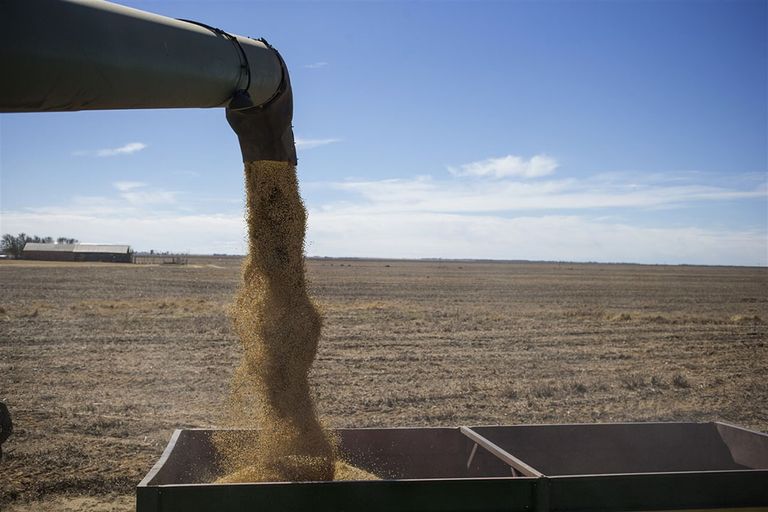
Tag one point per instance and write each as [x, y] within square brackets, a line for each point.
[279, 328]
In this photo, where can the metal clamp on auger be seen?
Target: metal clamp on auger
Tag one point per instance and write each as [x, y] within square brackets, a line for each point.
[265, 131]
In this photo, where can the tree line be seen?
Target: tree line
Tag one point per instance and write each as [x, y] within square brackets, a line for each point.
[14, 245]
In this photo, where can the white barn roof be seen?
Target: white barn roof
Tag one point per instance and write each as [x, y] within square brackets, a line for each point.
[79, 248]
[34, 246]
[107, 248]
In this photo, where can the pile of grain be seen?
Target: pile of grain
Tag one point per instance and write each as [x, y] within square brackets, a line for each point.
[279, 328]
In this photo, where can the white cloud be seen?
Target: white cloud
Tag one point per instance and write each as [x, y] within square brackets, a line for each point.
[187, 173]
[125, 186]
[428, 195]
[147, 197]
[508, 166]
[508, 219]
[416, 235]
[548, 238]
[313, 143]
[137, 193]
[133, 199]
[316, 65]
[423, 217]
[126, 149]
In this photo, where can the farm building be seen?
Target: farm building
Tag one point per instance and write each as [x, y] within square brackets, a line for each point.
[53, 252]
[78, 252]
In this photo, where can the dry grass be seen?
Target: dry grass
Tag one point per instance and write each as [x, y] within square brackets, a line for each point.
[99, 363]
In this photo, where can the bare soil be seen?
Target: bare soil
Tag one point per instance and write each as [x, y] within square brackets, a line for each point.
[99, 363]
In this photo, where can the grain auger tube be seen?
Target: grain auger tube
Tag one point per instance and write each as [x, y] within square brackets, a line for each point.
[67, 55]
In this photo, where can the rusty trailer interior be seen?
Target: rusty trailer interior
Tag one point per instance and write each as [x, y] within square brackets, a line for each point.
[600, 467]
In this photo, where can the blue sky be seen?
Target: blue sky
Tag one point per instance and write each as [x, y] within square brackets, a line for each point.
[579, 131]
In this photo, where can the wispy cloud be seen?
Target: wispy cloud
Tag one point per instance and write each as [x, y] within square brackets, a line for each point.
[563, 219]
[126, 149]
[125, 186]
[508, 166]
[316, 65]
[425, 194]
[314, 143]
[420, 235]
[548, 238]
[187, 173]
[551, 219]
[137, 193]
[130, 199]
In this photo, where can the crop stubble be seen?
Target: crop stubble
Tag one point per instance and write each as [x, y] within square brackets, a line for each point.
[99, 362]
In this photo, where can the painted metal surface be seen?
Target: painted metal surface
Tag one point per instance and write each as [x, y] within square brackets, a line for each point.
[452, 469]
[35, 246]
[60, 55]
[106, 248]
[51, 247]
[614, 448]
[499, 452]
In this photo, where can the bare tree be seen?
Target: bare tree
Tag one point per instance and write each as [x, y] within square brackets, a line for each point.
[13, 245]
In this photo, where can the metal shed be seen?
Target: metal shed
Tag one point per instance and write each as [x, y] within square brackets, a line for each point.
[49, 252]
[103, 252]
[78, 252]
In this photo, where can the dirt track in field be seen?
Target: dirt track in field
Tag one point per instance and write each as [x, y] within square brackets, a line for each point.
[99, 363]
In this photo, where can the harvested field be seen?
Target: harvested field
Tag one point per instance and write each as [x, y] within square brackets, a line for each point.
[99, 362]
